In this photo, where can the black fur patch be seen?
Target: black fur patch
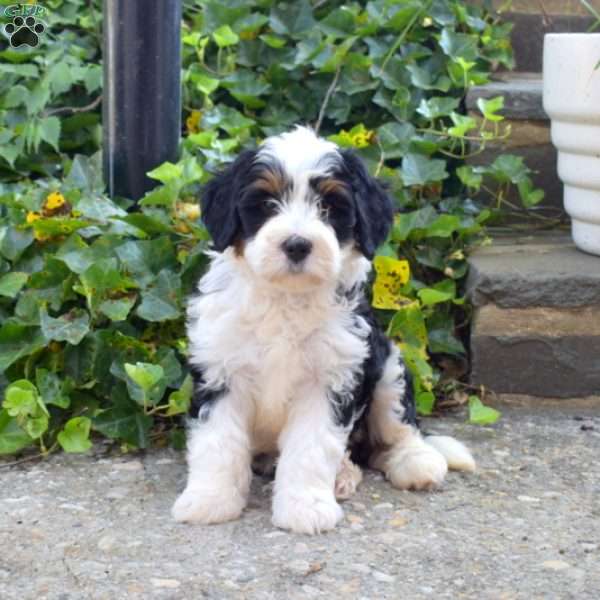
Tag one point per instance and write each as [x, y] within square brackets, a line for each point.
[379, 350]
[408, 401]
[352, 409]
[374, 209]
[220, 198]
[203, 398]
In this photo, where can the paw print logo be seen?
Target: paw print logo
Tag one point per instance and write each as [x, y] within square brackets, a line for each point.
[24, 32]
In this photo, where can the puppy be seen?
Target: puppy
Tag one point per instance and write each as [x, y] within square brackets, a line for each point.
[286, 354]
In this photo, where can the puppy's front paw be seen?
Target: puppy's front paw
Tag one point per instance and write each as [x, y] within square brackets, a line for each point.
[415, 468]
[197, 505]
[306, 512]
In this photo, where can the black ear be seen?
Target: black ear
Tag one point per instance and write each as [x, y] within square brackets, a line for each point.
[220, 200]
[374, 210]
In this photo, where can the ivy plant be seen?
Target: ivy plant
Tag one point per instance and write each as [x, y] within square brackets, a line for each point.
[92, 289]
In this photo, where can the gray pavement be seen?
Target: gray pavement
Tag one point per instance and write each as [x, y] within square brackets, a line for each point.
[526, 526]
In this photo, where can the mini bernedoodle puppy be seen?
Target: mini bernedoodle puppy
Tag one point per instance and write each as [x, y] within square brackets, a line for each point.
[285, 352]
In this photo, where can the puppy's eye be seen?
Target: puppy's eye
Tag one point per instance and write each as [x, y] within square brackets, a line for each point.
[335, 199]
[260, 200]
[337, 210]
[334, 202]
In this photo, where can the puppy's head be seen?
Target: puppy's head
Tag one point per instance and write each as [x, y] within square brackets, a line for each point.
[300, 211]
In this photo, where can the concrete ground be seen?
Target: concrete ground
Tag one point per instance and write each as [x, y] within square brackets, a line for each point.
[526, 526]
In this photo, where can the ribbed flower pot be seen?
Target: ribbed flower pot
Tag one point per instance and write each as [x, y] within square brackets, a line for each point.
[572, 101]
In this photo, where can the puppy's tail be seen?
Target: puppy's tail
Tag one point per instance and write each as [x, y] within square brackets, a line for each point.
[457, 455]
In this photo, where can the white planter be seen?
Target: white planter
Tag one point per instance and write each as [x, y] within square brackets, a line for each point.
[572, 100]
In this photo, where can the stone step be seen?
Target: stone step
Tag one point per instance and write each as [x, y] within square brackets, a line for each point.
[522, 93]
[532, 19]
[530, 137]
[536, 325]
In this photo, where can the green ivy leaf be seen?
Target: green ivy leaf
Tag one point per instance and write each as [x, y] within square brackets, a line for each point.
[441, 292]
[425, 401]
[117, 310]
[509, 168]
[61, 78]
[459, 45]
[408, 324]
[166, 172]
[179, 401]
[395, 138]
[70, 327]
[273, 41]
[146, 383]
[207, 85]
[489, 108]
[420, 170]
[12, 283]
[530, 196]
[49, 131]
[161, 301]
[125, 422]
[425, 79]
[144, 260]
[99, 208]
[480, 414]
[414, 223]
[442, 341]
[12, 437]
[444, 226]
[247, 88]
[22, 401]
[462, 125]
[470, 176]
[437, 107]
[339, 23]
[17, 341]
[146, 223]
[294, 18]
[145, 375]
[52, 389]
[86, 174]
[103, 277]
[14, 242]
[224, 36]
[75, 435]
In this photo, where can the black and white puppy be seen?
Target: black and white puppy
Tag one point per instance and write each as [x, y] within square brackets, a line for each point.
[285, 352]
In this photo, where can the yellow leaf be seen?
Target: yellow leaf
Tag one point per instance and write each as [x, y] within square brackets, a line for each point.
[358, 137]
[32, 216]
[54, 200]
[189, 210]
[193, 121]
[391, 275]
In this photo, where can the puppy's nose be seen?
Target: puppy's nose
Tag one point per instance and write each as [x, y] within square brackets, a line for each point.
[296, 248]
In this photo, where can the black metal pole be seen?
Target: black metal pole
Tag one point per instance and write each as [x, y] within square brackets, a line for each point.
[142, 91]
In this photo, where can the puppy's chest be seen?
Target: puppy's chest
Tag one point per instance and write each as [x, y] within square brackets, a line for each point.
[283, 349]
[290, 356]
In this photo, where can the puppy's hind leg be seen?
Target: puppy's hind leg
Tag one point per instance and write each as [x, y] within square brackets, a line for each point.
[348, 478]
[407, 459]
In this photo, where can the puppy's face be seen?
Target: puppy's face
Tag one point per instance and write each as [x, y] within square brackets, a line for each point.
[299, 211]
